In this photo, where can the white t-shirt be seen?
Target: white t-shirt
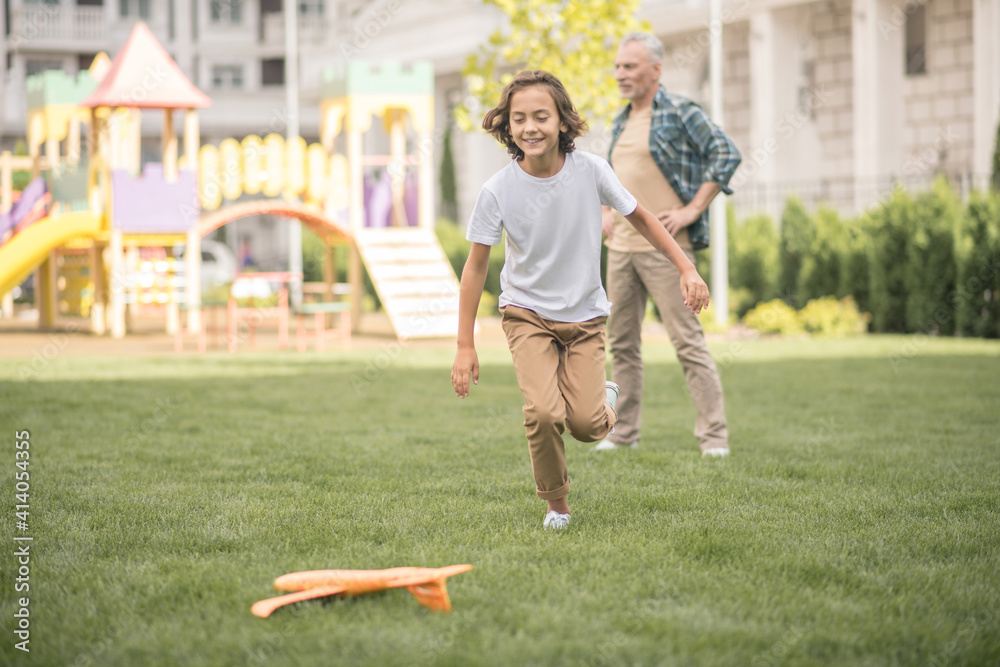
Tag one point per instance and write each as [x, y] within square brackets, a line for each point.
[553, 225]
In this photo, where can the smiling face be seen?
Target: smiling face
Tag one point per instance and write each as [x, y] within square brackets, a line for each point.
[637, 74]
[535, 124]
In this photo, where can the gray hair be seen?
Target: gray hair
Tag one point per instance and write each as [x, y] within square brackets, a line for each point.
[654, 47]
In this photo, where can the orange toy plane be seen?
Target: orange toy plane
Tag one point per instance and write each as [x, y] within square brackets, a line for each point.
[427, 584]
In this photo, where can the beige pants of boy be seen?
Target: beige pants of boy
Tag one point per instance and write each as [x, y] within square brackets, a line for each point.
[632, 278]
[560, 370]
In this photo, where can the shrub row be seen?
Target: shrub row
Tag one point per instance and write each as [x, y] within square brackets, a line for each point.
[923, 263]
[825, 316]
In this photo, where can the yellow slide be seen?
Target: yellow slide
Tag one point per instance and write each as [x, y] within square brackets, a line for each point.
[29, 248]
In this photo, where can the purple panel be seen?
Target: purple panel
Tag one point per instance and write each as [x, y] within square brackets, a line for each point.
[151, 205]
[369, 188]
[410, 196]
[380, 205]
[29, 197]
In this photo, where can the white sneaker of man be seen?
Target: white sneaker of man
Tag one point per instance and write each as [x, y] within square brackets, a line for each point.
[607, 444]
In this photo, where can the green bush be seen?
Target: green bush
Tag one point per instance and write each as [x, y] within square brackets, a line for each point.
[775, 316]
[826, 316]
[822, 267]
[456, 249]
[488, 305]
[930, 260]
[919, 263]
[453, 242]
[708, 323]
[703, 262]
[753, 258]
[995, 175]
[20, 178]
[446, 178]
[833, 318]
[855, 279]
[741, 300]
[889, 225]
[313, 257]
[796, 233]
[977, 294]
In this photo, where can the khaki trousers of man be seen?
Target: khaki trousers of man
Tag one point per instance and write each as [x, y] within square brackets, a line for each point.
[560, 369]
[632, 277]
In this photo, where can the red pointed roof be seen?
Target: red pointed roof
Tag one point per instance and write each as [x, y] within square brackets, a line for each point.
[143, 75]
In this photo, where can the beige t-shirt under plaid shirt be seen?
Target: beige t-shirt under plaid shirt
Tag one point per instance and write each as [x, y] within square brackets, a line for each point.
[638, 172]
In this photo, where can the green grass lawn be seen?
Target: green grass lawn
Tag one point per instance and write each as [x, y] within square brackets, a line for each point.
[856, 522]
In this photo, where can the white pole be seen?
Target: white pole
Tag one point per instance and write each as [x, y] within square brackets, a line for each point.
[292, 132]
[717, 210]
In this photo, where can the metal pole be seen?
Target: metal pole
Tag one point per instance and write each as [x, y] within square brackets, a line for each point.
[717, 210]
[292, 133]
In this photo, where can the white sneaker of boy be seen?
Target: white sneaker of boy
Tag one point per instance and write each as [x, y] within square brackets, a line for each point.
[555, 520]
[716, 451]
[611, 391]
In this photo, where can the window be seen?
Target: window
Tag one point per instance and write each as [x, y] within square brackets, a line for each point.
[33, 67]
[89, 3]
[227, 77]
[84, 61]
[226, 11]
[133, 8]
[311, 7]
[916, 41]
[272, 72]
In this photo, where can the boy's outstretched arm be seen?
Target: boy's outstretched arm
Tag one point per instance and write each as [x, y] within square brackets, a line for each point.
[693, 288]
[470, 292]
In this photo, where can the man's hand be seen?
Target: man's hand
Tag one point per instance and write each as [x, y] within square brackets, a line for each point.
[694, 290]
[607, 222]
[677, 219]
[466, 362]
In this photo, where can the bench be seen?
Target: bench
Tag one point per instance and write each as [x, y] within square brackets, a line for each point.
[320, 333]
[206, 308]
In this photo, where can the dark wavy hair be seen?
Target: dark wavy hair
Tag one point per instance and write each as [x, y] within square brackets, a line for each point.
[497, 120]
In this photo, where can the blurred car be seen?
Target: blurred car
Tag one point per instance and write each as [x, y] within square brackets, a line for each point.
[218, 263]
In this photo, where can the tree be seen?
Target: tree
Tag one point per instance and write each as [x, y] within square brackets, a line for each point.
[753, 260]
[449, 188]
[796, 235]
[822, 271]
[995, 180]
[575, 40]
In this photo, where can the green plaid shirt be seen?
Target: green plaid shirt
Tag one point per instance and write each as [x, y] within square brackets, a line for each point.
[689, 149]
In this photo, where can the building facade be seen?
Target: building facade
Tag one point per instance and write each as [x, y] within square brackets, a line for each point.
[834, 100]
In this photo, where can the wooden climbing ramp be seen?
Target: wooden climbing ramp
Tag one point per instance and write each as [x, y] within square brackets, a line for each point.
[413, 278]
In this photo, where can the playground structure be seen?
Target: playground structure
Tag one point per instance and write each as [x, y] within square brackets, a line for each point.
[104, 210]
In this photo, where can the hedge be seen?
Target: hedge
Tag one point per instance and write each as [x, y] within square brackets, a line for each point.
[918, 263]
[977, 292]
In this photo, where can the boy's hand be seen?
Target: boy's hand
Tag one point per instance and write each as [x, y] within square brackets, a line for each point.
[694, 290]
[466, 362]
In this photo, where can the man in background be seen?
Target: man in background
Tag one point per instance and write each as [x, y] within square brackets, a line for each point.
[669, 154]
